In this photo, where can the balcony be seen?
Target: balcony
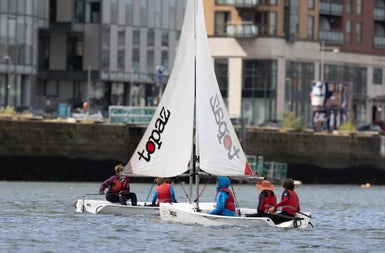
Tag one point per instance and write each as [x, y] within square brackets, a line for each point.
[238, 3]
[379, 13]
[330, 8]
[242, 30]
[331, 36]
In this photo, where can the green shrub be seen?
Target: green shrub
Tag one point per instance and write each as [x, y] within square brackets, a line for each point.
[292, 122]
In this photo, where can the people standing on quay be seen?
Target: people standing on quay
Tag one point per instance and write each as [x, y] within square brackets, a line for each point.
[289, 203]
[266, 198]
[164, 192]
[225, 201]
[118, 188]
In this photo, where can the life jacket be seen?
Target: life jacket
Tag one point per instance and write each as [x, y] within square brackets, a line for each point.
[164, 195]
[118, 185]
[293, 203]
[230, 203]
[269, 201]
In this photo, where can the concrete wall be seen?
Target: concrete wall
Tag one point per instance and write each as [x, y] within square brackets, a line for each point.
[32, 150]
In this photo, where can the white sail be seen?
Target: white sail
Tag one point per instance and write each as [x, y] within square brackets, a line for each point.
[165, 149]
[220, 152]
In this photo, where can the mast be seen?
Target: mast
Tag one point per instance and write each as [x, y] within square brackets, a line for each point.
[196, 149]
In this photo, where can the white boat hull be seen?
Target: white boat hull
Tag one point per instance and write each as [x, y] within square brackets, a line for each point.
[106, 207]
[185, 213]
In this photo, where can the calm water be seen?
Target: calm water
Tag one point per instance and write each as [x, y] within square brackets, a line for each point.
[40, 217]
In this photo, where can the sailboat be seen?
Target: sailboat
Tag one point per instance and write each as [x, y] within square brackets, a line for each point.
[191, 131]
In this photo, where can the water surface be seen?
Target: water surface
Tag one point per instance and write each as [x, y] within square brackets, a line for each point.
[40, 217]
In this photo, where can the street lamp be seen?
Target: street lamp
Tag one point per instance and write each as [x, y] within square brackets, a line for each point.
[323, 49]
[8, 89]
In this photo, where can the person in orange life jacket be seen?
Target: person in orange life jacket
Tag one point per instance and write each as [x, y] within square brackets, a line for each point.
[164, 192]
[118, 188]
[266, 198]
[289, 203]
[225, 203]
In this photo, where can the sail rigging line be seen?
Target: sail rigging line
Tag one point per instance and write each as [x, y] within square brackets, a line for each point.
[204, 189]
[148, 195]
[236, 200]
[181, 185]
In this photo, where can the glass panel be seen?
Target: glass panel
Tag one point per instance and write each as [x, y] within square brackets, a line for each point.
[114, 11]
[129, 12]
[28, 41]
[377, 76]
[21, 7]
[143, 12]
[51, 89]
[158, 13]
[66, 90]
[121, 47]
[172, 15]
[136, 50]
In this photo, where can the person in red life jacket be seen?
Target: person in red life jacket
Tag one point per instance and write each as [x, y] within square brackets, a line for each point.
[266, 198]
[289, 203]
[225, 202]
[164, 192]
[118, 188]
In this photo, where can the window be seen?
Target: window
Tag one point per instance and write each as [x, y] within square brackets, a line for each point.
[87, 11]
[348, 32]
[221, 18]
[51, 89]
[121, 47]
[348, 6]
[150, 50]
[158, 13]
[114, 11]
[129, 12]
[272, 23]
[310, 4]
[74, 52]
[143, 13]
[310, 27]
[172, 15]
[377, 76]
[359, 33]
[259, 90]
[165, 46]
[105, 57]
[136, 50]
[359, 7]
[221, 69]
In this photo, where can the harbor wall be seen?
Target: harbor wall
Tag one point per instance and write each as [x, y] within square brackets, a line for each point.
[61, 151]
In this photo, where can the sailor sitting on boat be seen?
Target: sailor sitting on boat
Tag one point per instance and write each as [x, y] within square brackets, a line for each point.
[118, 188]
[225, 203]
[164, 192]
[289, 203]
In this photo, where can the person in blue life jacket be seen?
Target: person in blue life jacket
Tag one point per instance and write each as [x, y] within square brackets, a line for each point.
[118, 188]
[164, 192]
[225, 202]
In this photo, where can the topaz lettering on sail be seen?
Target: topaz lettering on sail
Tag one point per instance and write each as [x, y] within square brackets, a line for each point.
[155, 140]
[223, 131]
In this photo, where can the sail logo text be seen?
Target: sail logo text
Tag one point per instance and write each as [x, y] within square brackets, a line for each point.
[223, 131]
[155, 140]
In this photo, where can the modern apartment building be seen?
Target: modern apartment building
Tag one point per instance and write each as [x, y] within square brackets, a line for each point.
[268, 52]
[108, 52]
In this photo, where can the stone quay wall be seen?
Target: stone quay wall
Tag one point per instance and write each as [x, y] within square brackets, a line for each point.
[61, 151]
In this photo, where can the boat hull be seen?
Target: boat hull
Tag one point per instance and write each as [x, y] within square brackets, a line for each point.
[186, 213]
[106, 207]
